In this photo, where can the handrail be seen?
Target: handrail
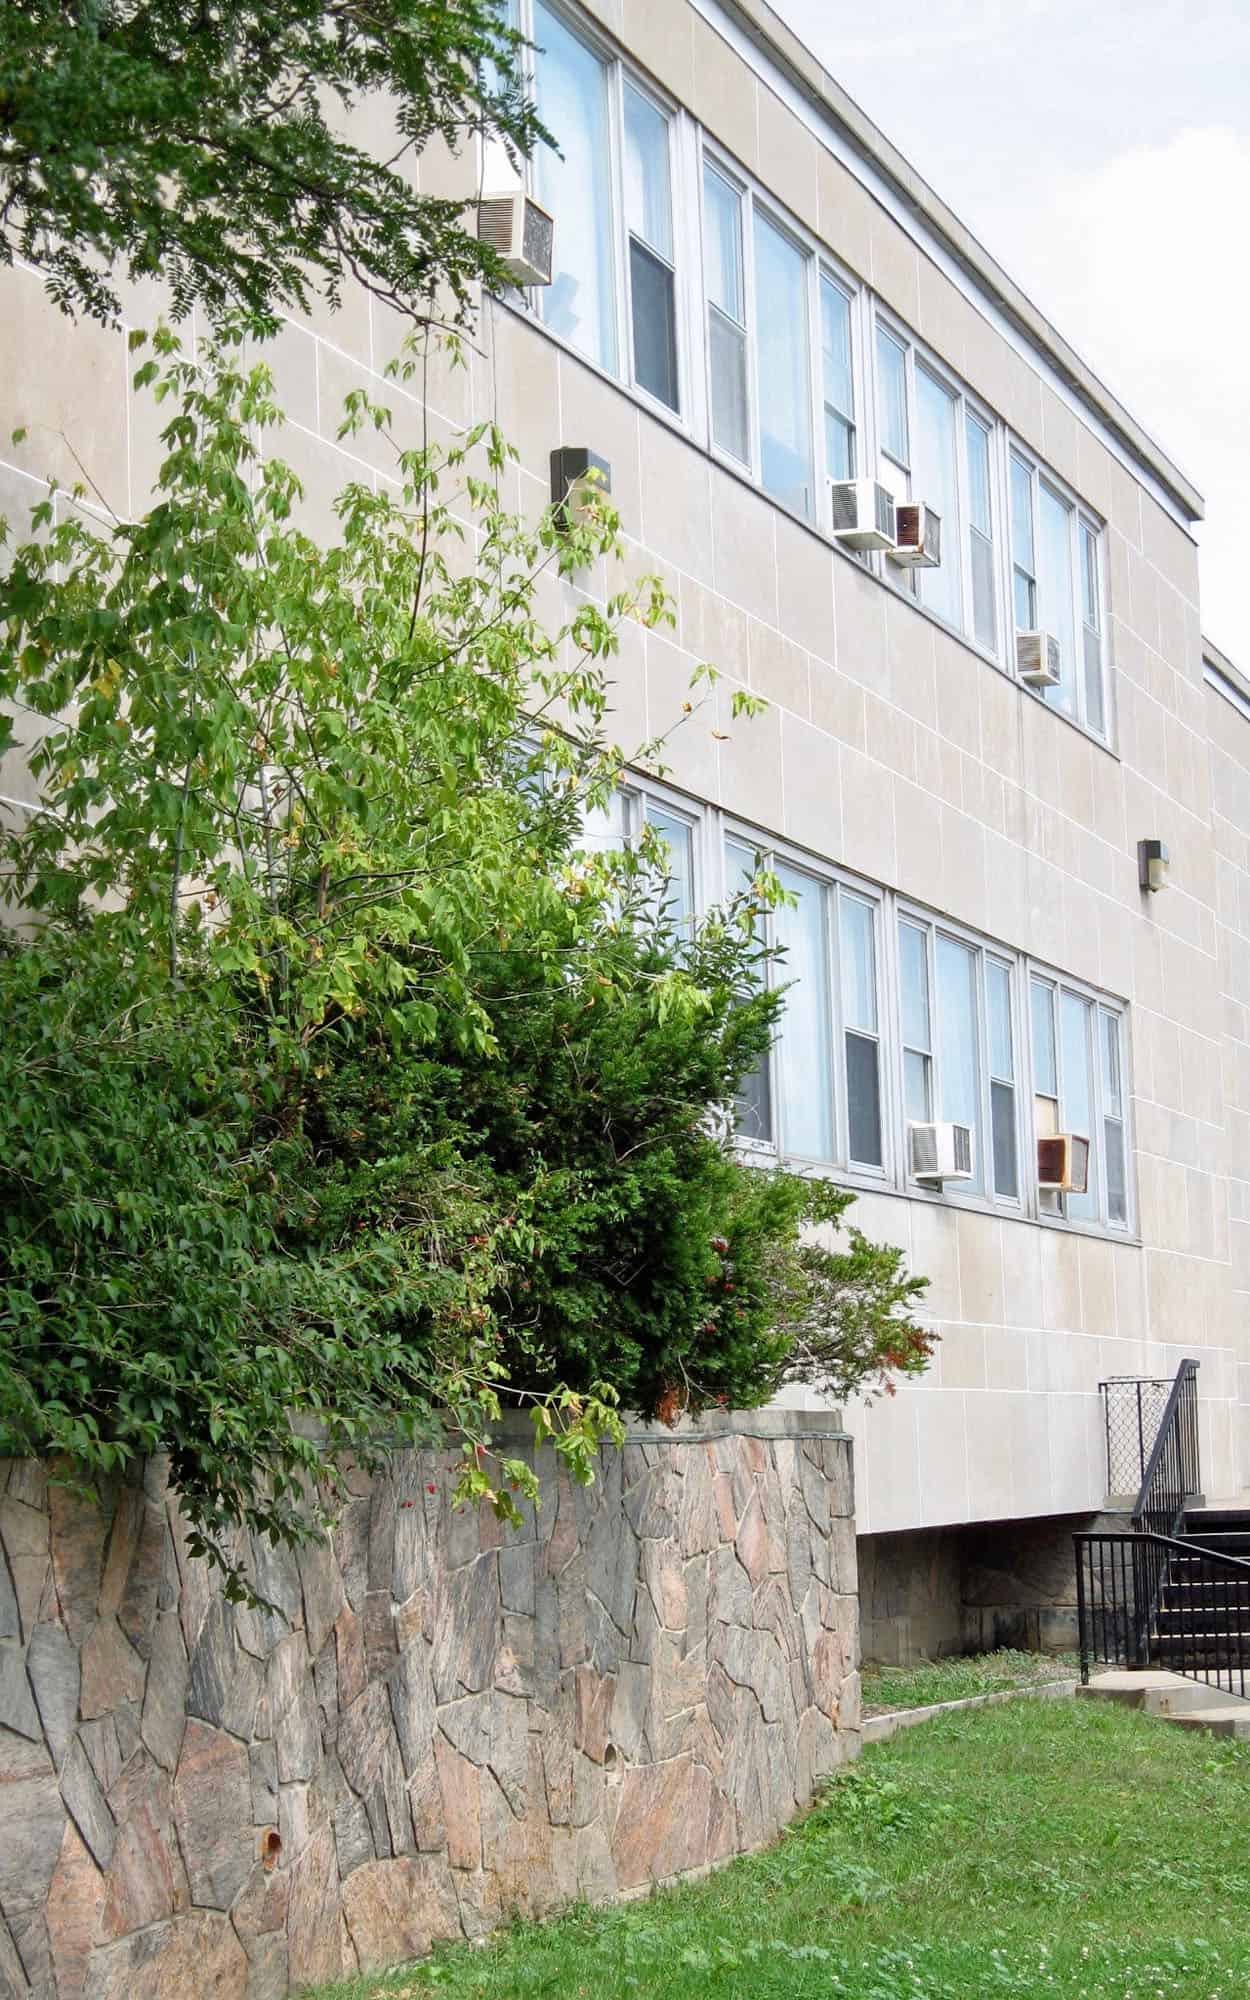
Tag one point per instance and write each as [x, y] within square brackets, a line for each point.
[1172, 1474]
[1147, 1599]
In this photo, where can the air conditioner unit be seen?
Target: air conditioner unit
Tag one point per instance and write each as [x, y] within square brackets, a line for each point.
[1037, 659]
[1063, 1164]
[521, 233]
[863, 514]
[919, 532]
[940, 1153]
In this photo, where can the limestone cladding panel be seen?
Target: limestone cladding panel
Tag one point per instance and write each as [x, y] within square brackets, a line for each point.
[435, 1725]
[889, 746]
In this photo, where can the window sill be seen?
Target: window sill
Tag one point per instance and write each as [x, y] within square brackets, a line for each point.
[681, 429]
[757, 1155]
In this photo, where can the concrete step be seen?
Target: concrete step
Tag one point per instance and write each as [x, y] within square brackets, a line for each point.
[1173, 1698]
[1225, 1718]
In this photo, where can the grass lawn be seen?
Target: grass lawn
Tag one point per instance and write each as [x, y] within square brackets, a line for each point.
[1066, 1849]
[954, 1680]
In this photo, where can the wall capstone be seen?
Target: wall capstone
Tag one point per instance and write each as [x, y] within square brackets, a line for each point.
[441, 1724]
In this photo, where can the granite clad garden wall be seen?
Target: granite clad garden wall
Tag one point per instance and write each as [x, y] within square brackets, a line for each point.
[443, 1723]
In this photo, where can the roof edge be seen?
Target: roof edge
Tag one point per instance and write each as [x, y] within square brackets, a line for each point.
[765, 26]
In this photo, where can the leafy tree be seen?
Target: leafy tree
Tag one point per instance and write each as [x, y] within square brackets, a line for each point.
[338, 1083]
[206, 146]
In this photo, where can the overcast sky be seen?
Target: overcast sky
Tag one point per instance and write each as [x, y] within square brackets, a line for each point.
[1102, 154]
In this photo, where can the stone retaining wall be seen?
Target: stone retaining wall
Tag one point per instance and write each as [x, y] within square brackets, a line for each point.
[444, 1722]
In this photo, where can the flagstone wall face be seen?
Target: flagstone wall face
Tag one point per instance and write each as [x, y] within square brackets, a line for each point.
[440, 1722]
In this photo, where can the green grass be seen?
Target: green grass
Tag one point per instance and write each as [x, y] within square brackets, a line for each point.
[1056, 1850]
[954, 1680]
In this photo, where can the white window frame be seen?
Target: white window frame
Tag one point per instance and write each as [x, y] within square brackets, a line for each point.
[819, 263]
[637, 794]
[834, 882]
[711, 829]
[985, 949]
[1100, 1003]
[687, 250]
[1079, 516]
[957, 535]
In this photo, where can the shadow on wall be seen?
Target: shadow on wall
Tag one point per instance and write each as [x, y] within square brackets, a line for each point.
[438, 1724]
[931, 1592]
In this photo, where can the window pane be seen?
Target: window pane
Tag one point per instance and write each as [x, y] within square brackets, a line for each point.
[1092, 662]
[978, 440]
[914, 975]
[1022, 515]
[958, 1066]
[1055, 581]
[1003, 1119]
[1078, 1089]
[1042, 1000]
[863, 1091]
[784, 387]
[605, 828]
[1025, 599]
[984, 613]
[859, 973]
[727, 353]
[678, 836]
[1111, 1086]
[804, 1068]
[571, 86]
[998, 1004]
[1117, 1189]
[655, 330]
[648, 199]
[753, 1106]
[839, 447]
[916, 1087]
[937, 481]
[835, 322]
[1090, 629]
[722, 230]
[892, 396]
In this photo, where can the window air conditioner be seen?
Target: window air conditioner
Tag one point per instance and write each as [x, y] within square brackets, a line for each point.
[521, 233]
[919, 532]
[1063, 1164]
[863, 514]
[940, 1153]
[1037, 659]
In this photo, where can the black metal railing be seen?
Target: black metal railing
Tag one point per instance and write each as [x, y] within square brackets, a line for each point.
[1147, 1600]
[1132, 1411]
[1172, 1477]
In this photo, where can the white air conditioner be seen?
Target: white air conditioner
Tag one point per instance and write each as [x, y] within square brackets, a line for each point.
[521, 233]
[919, 532]
[940, 1153]
[1063, 1163]
[1037, 659]
[863, 514]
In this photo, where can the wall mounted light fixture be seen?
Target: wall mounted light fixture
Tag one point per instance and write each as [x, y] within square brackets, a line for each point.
[576, 473]
[1152, 864]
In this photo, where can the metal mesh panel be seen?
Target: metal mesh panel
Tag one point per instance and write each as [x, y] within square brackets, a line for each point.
[1133, 1407]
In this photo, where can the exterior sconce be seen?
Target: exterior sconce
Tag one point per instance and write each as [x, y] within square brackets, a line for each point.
[576, 474]
[1152, 864]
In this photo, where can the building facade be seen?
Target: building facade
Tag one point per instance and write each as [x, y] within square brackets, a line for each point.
[755, 299]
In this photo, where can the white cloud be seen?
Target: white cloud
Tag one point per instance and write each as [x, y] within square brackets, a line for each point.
[1143, 264]
[1103, 155]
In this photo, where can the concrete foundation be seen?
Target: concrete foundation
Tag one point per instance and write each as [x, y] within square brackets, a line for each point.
[971, 1589]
